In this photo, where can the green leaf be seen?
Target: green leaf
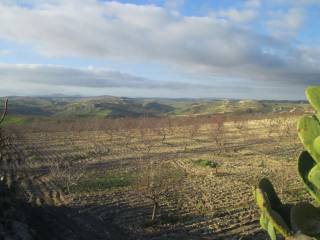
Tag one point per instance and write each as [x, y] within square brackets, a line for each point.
[272, 208]
[316, 145]
[305, 164]
[261, 199]
[314, 176]
[278, 222]
[313, 95]
[266, 186]
[309, 131]
[264, 222]
[272, 232]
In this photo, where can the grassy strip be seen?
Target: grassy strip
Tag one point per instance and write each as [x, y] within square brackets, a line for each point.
[102, 183]
[17, 120]
[205, 163]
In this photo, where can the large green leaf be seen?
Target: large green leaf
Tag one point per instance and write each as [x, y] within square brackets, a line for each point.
[313, 95]
[314, 176]
[266, 186]
[305, 165]
[309, 131]
[264, 221]
[272, 208]
[272, 232]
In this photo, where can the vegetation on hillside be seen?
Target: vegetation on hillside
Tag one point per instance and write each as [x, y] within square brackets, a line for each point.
[129, 107]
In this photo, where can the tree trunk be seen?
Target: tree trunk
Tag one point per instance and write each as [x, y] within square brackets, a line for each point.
[68, 186]
[154, 211]
[163, 138]
[185, 147]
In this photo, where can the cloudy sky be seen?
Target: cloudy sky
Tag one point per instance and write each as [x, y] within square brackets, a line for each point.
[260, 49]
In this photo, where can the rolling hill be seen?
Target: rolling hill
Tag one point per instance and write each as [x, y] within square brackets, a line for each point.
[108, 106]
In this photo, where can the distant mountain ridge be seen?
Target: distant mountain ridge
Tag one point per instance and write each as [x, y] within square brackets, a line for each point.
[134, 107]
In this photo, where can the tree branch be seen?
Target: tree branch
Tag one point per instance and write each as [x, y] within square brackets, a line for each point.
[5, 111]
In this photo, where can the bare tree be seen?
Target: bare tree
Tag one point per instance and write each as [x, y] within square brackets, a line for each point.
[191, 127]
[98, 149]
[287, 128]
[171, 125]
[272, 125]
[127, 126]
[5, 110]
[110, 129]
[241, 124]
[66, 172]
[4, 114]
[156, 181]
[163, 129]
[194, 129]
[217, 132]
[146, 140]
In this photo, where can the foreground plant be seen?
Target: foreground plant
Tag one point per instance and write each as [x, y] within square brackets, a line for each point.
[301, 220]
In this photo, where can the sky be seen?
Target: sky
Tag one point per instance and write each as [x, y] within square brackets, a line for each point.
[244, 49]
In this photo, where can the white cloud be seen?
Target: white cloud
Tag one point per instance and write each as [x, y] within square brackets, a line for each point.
[89, 77]
[236, 15]
[248, 12]
[253, 3]
[286, 24]
[295, 2]
[173, 4]
[4, 52]
[147, 33]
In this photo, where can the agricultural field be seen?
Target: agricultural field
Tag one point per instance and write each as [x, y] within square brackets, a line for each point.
[153, 177]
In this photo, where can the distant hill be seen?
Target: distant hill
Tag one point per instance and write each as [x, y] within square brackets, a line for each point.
[209, 107]
[62, 106]
[91, 106]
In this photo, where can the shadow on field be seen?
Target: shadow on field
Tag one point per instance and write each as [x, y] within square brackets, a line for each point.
[23, 221]
[136, 223]
[62, 223]
[118, 221]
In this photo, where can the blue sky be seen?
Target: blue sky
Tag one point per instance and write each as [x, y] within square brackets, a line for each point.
[249, 49]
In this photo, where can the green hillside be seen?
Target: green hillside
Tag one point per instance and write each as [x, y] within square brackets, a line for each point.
[107, 106]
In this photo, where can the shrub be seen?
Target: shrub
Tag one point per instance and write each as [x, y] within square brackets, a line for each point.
[205, 163]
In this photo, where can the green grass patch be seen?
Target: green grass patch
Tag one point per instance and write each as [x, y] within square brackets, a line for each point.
[16, 120]
[205, 163]
[101, 183]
